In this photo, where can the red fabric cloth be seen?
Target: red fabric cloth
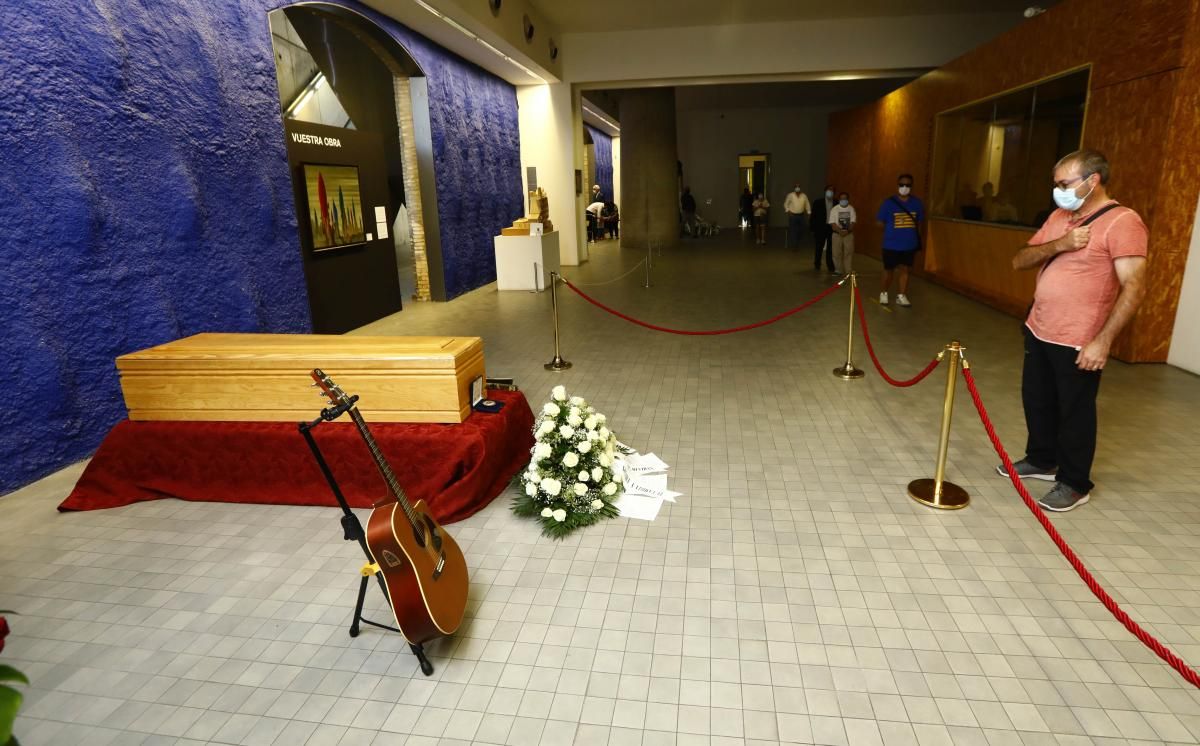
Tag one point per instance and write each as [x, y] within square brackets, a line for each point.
[455, 469]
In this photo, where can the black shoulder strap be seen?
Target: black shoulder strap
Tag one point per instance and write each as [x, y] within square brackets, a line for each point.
[1096, 215]
[1090, 219]
[902, 207]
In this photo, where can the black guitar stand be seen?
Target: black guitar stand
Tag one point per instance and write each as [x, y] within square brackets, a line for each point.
[352, 530]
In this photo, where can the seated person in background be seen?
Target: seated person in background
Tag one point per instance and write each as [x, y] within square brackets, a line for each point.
[593, 220]
[611, 218]
[968, 203]
[996, 209]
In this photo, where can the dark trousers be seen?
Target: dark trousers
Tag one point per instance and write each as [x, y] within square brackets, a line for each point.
[1060, 411]
[796, 225]
[822, 243]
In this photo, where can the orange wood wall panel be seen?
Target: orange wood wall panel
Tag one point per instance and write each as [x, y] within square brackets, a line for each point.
[977, 261]
[1142, 112]
[1174, 203]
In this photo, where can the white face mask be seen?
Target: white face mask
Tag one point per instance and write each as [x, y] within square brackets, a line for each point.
[1068, 200]
[844, 202]
[828, 195]
[904, 190]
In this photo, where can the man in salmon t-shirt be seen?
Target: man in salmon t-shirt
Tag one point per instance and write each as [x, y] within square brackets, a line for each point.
[1092, 258]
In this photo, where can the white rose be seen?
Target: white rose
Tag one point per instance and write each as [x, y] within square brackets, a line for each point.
[578, 401]
[566, 431]
[601, 418]
[597, 473]
[551, 486]
[617, 477]
[559, 393]
[584, 446]
[597, 504]
[547, 512]
[593, 435]
[573, 412]
[604, 433]
[546, 427]
[560, 515]
[531, 489]
[590, 423]
[541, 451]
[610, 489]
[580, 489]
[571, 460]
[584, 476]
[605, 460]
[574, 420]
[551, 409]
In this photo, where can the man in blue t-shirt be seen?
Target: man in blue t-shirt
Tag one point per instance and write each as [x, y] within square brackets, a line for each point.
[900, 215]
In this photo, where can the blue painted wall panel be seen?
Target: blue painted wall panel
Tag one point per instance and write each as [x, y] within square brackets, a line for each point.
[604, 162]
[145, 197]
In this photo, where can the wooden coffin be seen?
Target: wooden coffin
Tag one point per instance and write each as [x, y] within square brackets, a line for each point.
[267, 377]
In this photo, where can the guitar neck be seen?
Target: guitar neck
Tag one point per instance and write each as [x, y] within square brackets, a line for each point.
[382, 464]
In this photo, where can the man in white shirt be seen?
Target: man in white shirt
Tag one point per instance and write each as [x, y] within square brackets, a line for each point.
[593, 221]
[798, 209]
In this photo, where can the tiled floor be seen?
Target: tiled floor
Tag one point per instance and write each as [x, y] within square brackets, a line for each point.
[793, 595]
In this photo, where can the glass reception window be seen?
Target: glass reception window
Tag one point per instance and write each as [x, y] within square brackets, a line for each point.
[992, 159]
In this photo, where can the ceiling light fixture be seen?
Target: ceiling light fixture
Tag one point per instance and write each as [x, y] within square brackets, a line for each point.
[468, 33]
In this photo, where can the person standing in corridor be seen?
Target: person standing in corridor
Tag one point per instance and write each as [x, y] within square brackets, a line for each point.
[901, 216]
[1091, 262]
[797, 207]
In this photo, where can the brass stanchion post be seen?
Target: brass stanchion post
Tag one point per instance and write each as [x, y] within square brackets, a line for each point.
[936, 492]
[649, 261]
[557, 363]
[848, 372]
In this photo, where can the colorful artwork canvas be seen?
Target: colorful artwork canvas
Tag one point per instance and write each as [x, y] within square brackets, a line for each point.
[335, 211]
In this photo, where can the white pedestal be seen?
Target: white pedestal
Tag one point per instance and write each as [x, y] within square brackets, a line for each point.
[525, 262]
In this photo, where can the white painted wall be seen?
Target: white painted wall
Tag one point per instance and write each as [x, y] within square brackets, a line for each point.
[1185, 339]
[778, 48]
[545, 119]
[616, 161]
[710, 141]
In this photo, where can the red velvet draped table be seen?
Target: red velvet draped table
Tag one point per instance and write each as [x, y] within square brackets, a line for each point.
[456, 469]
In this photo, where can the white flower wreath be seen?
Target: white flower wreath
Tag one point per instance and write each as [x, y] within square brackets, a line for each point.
[570, 481]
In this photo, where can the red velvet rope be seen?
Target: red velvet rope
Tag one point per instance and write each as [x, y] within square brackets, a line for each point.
[828, 291]
[862, 318]
[1159, 649]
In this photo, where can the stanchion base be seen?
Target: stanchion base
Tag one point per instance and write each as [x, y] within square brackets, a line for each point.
[848, 372]
[557, 364]
[953, 497]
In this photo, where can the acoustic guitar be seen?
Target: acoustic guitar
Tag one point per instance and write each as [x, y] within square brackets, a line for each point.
[422, 567]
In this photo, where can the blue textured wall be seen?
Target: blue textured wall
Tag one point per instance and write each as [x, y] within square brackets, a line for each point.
[477, 159]
[145, 197]
[604, 167]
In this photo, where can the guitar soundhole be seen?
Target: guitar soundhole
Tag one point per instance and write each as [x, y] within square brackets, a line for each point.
[433, 532]
[391, 559]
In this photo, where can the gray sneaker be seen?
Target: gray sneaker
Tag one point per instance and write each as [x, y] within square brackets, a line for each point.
[1026, 470]
[1062, 498]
